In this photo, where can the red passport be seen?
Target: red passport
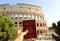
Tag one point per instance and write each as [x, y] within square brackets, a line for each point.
[29, 25]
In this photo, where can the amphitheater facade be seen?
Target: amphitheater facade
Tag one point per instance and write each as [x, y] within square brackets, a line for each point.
[20, 12]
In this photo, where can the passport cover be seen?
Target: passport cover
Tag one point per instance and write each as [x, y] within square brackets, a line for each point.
[29, 25]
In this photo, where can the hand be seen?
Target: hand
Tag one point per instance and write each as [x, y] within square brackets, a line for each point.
[19, 34]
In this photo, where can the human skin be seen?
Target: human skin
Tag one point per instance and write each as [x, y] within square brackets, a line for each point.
[19, 35]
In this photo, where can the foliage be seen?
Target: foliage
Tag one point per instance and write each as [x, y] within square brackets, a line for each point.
[7, 30]
[51, 28]
[56, 27]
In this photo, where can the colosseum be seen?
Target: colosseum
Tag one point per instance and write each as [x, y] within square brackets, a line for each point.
[20, 12]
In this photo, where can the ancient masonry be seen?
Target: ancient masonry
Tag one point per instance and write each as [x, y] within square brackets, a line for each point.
[20, 12]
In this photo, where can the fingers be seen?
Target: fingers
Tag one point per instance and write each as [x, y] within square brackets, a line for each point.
[24, 33]
[19, 30]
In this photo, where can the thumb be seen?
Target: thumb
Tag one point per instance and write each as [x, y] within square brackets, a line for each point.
[25, 32]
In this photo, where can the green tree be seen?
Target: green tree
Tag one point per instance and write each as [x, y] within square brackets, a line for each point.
[7, 30]
[56, 27]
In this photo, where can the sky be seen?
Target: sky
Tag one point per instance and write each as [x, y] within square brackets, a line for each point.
[51, 8]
